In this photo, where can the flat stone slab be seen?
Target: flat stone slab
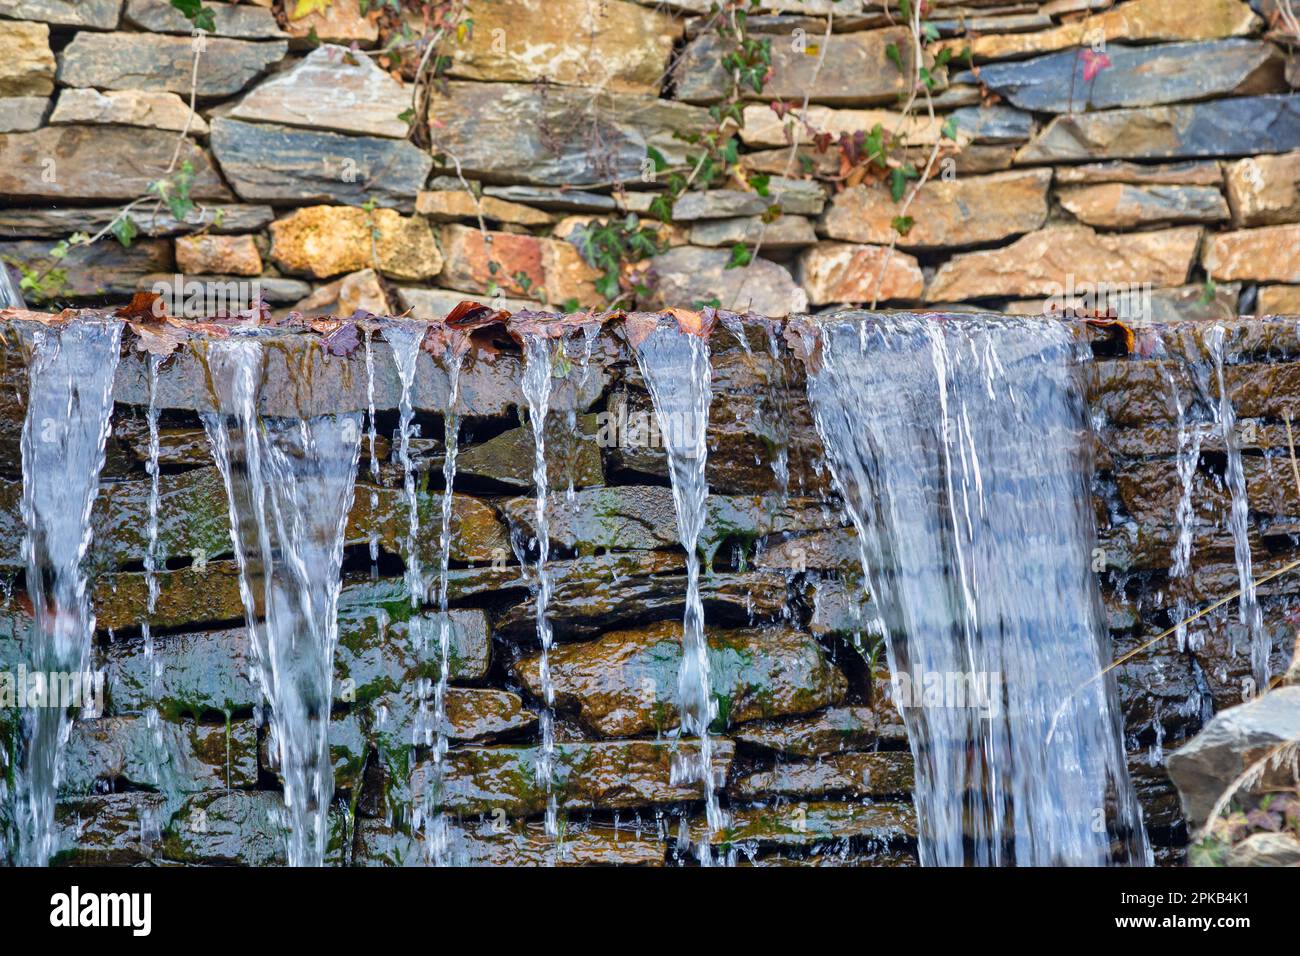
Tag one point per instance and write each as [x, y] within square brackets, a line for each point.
[1137, 76]
[1234, 127]
[143, 61]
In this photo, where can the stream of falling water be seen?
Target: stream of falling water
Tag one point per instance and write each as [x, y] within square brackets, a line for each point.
[69, 405]
[10, 297]
[1225, 417]
[537, 390]
[441, 837]
[374, 459]
[405, 341]
[960, 450]
[290, 483]
[677, 371]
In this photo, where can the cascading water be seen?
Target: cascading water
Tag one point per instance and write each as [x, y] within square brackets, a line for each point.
[440, 841]
[405, 341]
[1225, 417]
[537, 390]
[10, 296]
[290, 483]
[677, 371]
[69, 404]
[960, 449]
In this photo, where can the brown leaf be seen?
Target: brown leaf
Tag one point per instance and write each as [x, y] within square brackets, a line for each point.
[344, 340]
[157, 338]
[143, 307]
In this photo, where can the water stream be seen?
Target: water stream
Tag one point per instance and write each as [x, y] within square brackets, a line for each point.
[537, 391]
[677, 371]
[290, 483]
[960, 447]
[69, 405]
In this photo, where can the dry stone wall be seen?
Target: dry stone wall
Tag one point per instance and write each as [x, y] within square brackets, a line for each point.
[1089, 141]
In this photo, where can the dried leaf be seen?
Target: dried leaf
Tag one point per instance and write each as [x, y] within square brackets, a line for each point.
[344, 340]
[143, 307]
[157, 338]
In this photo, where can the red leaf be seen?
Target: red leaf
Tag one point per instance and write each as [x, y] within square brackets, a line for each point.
[143, 307]
[1093, 63]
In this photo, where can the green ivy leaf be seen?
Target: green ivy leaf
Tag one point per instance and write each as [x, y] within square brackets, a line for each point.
[202, 17]
[740, 256]
[124, 230]
[897, 184]
[902, 224]
[894, 57]
[657, 158]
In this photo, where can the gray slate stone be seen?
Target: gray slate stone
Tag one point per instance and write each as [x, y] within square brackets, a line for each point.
[797, 196]
[518, 133]
[551, 197]
[281, 165]
[57, 222]
[1137, 76]
[1244, 126]
[141, 61]
[243, 21]
[994, 124]
[94, 14]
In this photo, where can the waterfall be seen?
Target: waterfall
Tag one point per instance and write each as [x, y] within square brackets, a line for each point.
[69, 404]
[289, 482]
[405, 341]
[1225, 417]
[10, 296]
[676, 368]
[537, 390]
[371, 435]
[960, 448]
[451, 434]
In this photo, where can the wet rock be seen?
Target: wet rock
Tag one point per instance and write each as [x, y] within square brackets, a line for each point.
[1158, 692]
[96, 163]
[325, 241]
[1266, 849]
[1039, 263]
[573, 457]
[122, 751]
[340, 22]
[104, 270]
[387, 649]
[200, 675]
[403, 720]
[54, 223]
[843, 272]
[238, 827]
[1278, 300]
[1266, 254]
[625, 683]
[448, 205]
[1139, 20]
[636, 517]
[1197, 172]
[763, 127]
[1221, 645]
[1137, 76]
[358, 291]
[477, 534]
[283, 165]
[955, 212]
[1262, 190]
[794, 196]
[832, 731]
[480, 123]
[884, 774]
[1121, 206]
[622, 47]
[549, 269]
[107, 830]
[620, 775]
[144, 61]
[807, 824]
[223, 255]
[1161, 813]
[186, 597]
[331, 89]
[22, 114]
[602, 593]
[853, 70]
[1233, 741]
[95, 14]
[151, 109]
[28, 63]
[786, 232]
[1233, 127]
[245, 21]
[513, 843]
[688, 277]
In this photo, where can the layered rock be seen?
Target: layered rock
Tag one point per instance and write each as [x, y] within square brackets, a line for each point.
[1267, 254]
[28, 64]
[520, 265]
[691, 277]
[1123, 206]
[140, 61]
[844, 272]
[1262, 190]
[154, 110]
[1043, 262]
[325, 241]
